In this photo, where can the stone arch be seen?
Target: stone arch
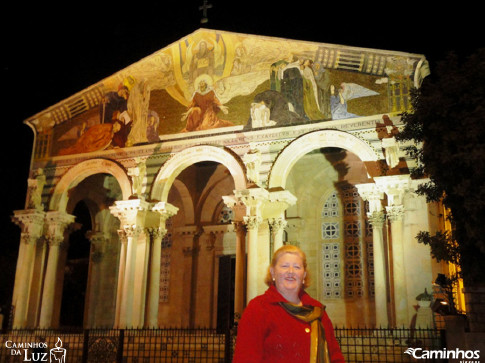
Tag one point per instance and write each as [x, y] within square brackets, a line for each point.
[315, 140]
[183, 159]
[83, 170]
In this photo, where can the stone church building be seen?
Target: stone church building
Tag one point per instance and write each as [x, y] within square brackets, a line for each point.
[157, 195]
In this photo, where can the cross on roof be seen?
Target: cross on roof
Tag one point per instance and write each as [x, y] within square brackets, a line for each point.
[204, 11]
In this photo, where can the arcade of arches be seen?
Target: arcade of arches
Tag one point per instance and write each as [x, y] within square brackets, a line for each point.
[191, 245]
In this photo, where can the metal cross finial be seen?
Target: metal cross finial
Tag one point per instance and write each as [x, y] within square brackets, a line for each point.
[204, 11]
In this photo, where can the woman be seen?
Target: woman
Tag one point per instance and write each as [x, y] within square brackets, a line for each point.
[285, 324]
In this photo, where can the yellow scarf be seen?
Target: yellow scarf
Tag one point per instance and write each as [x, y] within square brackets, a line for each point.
[311, 314]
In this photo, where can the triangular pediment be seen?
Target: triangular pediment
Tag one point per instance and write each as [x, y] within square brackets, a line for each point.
[250, 81]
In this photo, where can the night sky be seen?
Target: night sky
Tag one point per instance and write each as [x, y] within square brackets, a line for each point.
[52, 51]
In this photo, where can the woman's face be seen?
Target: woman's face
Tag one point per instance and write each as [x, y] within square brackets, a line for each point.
[288, 273]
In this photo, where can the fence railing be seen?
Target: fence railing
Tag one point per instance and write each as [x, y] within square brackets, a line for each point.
[193, 345]
[386, 344]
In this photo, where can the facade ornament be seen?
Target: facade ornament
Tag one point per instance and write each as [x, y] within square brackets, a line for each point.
[252, 161]
[138, 177]
[386, 134]
[35, 188]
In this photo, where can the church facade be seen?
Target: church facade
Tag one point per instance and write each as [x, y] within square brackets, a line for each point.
[157, 195]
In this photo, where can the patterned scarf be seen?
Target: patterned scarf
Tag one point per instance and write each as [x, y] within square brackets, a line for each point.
[311, 314]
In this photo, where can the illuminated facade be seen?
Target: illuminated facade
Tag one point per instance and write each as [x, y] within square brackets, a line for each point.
[196, 162]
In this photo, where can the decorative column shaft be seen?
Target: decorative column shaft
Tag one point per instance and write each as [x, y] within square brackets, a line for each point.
[121, 278]
[131, 214]
[156, 236]
[395, 216]
[165, 211]
[376, 218]
[395, 188]
[56, 223]
[252, 225]
[277, 226]
[31, 223]
[240, 230]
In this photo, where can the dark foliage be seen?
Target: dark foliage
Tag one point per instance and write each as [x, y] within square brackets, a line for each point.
[449, 120]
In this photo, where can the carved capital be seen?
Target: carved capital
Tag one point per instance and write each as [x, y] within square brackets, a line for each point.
[373, 195]
[395, 213]
[156, 233]
[277, 224]
[376, 219]
[252, 222]
[30, 221]
[56, 224]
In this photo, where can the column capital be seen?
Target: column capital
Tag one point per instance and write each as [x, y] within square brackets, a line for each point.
[165, 210]
[252, 222]
[56, 224]
[239, 226]
[277, 224]
[371, 193]
[395, 213]
[376, 219]
[131, 213]
[31, 223]
[395, 187]
[156, 233]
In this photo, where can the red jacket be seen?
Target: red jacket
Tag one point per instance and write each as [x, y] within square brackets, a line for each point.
[267, 333]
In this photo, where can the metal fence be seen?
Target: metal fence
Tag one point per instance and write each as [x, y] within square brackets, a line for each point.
[193, 345]
[386, 344]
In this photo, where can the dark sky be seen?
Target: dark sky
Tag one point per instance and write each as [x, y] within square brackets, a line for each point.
[52, 51]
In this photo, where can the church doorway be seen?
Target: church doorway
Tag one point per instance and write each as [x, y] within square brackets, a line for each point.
[76, 270]
[225, 297]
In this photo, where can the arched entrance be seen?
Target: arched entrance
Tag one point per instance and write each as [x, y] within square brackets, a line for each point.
[202, 236]
[322, 169]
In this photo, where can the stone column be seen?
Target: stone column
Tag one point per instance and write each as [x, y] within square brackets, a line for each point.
[164, 211]
[131, 214]
[239, 211]
[253, 262]
[56, 223]
[121, 277]
[98, 241]
[239, 283]
[376, 218]
[31, 223]
[395, 215]
[189, 236]
[277, 226]
[156, 236]
[395, 187]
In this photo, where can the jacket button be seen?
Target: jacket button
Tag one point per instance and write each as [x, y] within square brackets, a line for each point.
[307, 330]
